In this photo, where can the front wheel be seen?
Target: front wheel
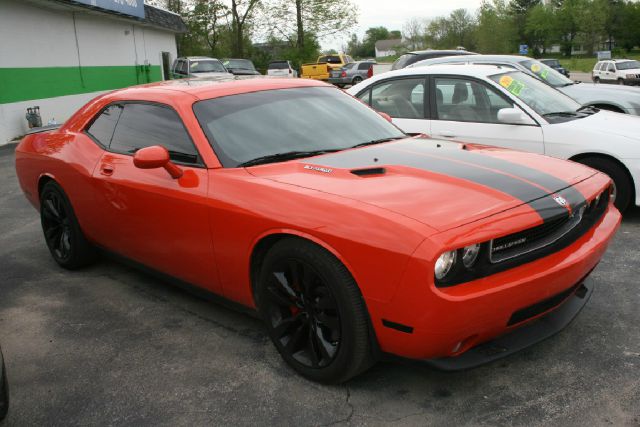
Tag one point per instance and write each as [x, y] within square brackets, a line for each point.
[65, 240]
[596, 79]
[314, 312]
[621, 82]
[622, 184]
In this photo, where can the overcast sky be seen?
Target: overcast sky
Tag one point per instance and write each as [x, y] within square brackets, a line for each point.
[394, 13]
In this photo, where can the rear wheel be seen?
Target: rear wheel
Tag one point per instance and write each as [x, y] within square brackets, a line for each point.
[623, 186]
[356, 80]
[596, 79]
[65, 240]
[314, 312]
[621, 82]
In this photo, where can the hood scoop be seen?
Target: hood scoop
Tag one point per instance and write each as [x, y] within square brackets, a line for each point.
[369, 171]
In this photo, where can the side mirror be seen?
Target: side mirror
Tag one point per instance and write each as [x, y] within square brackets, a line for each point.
[155, 157]
[386, 116]
[513, 116]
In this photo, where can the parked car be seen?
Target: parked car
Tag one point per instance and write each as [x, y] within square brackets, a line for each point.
[504, 107]
[612, 98]
[4, 389]
[240, 67]
[347, 247]
[281, 69]
[619, 71]
[321, 69]
[555, 64]
[352, 73]
[197, 66]
[419, 55]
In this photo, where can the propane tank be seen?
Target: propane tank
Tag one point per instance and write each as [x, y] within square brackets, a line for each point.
[33, 117]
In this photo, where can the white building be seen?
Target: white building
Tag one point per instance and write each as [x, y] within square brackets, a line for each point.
[58, 54]
[387, 47]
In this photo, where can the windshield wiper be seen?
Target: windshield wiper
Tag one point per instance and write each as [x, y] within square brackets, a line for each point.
[377, 141]
[281, 157]
[561, 113]
[587, 108]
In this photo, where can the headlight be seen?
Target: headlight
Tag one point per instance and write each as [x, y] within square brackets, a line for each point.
[444, 264]
[470, 255]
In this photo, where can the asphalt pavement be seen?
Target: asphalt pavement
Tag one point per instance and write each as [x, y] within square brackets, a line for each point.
[110, 345]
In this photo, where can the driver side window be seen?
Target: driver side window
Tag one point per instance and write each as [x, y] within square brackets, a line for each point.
[465, 100]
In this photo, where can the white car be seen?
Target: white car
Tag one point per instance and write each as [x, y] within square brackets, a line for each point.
[508, 108]
[281, 69]
[620, 71]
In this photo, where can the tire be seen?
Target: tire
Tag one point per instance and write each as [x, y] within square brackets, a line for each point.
[4, 390]
[596, 79]
[621, 82]
[62, 233]
[356, 80]
[314, 312]
[340, 85]
[622, 182]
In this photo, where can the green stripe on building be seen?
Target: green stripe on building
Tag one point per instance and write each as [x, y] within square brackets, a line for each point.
[23, 84]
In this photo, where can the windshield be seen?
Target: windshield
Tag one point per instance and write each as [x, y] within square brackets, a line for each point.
[278, 66]
[402, 61]
[334, 59]
[252, 125]
[546, 73]
[551, 62]
[207, 66]
[627, 65]
[243, 64]
[537, 95]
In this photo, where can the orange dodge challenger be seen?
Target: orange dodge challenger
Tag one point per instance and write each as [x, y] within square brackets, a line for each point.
[350, 239]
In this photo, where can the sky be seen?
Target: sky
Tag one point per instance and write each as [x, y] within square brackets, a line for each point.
[394, 13]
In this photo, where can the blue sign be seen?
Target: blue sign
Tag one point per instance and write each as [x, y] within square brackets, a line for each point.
[126, 7]
[524, 49]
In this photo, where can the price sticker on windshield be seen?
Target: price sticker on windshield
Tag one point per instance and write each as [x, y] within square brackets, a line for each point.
[535, 68]
[505, 81]
[513, 86]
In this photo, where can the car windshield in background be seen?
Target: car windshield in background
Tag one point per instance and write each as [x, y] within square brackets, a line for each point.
[543, 99]
[207, 66]
[627, 65]
[241, 64]
[402, 61]
[551, 62]
[244, 127]
[546, 73]
[278, 66]
[330, 59]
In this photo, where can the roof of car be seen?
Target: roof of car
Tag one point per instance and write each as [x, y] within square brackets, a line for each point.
[197, 58]
[465, 58]
[212, 87]
[454, 51]
[447, 69]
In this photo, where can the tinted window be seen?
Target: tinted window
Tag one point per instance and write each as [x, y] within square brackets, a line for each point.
[348, 66]
[467, 101]
[144, 125]
[612, 68]
[333, 59]
[628, 65]
[365, 66]
[182, 67]
[546, 73]
[251, 125]
[278, 66]
[243, 64]
[402, 98]
[103, 126]
[403, 61]
[207, 66]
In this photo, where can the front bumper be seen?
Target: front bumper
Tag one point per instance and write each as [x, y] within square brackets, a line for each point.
[446, 322]
[532, 333]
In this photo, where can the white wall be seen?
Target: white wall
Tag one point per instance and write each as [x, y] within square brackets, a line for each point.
[34, 36]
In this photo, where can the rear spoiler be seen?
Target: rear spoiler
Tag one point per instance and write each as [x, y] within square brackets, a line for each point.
[43, 129]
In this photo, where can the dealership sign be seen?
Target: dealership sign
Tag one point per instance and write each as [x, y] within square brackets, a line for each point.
[126, 7]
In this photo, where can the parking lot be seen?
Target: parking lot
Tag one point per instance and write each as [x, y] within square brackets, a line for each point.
[110, 345]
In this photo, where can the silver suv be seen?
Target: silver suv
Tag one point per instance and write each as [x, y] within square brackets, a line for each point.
[352, 73]
[197, 66]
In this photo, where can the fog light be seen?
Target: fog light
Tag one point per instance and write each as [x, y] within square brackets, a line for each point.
[444, 264]
[470, 255]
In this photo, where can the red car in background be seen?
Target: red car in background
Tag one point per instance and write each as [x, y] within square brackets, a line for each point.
[350, 239]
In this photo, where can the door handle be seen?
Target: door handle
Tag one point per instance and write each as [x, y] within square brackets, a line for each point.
[106, 170]
[446, 134]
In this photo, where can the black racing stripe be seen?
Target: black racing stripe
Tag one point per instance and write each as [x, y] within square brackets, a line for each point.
[463, 165]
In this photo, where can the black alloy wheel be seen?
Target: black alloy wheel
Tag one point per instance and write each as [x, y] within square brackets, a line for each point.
[62, 233]
[314, 312]
[356, 80]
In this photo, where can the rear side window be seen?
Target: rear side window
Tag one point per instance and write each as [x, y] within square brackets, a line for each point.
[364, 66]
[144, 125]
[103, 126]
[278, 66]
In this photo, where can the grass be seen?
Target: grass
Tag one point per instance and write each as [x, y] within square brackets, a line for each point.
[585, 65]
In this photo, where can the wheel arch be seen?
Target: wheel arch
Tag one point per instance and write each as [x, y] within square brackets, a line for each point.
[608, 106]
[582, 156]
[42, 180]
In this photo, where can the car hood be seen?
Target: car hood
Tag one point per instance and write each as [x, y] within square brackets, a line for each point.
[595, 93]
[605, 126]
[212, 74]
[442, 184]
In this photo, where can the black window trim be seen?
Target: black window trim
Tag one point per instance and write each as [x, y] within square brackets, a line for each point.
[432, 103]
[199, 162]
[426, 106]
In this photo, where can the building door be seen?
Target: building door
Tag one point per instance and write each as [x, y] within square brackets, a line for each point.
[166, 65]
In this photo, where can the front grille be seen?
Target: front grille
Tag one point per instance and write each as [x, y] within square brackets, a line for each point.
[551, 232]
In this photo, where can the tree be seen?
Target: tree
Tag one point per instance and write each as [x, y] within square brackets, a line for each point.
[293, 20]
[519, 10]
[567, 23]
[413, 31]
[241, 10]
[496, 32]
[461, 27]
[592, 18]
[540, 27]
[205, 23]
